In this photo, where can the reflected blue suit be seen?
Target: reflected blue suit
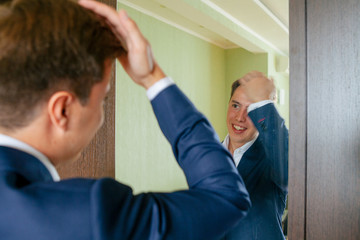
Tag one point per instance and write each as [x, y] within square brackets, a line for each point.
[33, 206]
[264, 169]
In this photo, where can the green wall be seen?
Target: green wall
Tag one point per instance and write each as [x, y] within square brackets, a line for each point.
[203, 71]
[143, 157]
[276, 70]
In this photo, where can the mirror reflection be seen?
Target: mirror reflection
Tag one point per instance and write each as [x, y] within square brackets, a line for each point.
[206, 46]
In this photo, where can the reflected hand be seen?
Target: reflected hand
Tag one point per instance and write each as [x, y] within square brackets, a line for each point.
[257, 87]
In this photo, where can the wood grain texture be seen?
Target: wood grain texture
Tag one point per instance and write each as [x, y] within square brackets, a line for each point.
[333, 137]
[298, 119]
[98, 159]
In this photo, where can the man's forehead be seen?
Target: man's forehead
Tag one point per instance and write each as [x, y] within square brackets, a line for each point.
[239, 95]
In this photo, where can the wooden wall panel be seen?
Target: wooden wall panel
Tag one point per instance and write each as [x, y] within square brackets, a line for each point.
[298, 119]
[333, 163]
[98, 159]
[324, 120]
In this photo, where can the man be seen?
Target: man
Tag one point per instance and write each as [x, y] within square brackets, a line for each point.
[55, 64]
[258, 141]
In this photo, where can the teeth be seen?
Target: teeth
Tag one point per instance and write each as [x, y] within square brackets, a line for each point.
[238, 127]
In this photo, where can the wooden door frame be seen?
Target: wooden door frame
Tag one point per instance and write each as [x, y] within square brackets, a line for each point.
[98, 158]
[298, 120]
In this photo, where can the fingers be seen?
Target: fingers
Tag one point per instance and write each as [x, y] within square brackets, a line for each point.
[136, 42]
[138, 62]
[124, 28]
[258, 87]
[257, 78]
[113, 18]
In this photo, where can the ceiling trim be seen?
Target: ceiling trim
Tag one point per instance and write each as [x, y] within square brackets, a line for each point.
[272, 15]
[162, 19]
[215, 7]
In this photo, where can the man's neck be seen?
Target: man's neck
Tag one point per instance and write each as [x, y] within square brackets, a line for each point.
[233, 147]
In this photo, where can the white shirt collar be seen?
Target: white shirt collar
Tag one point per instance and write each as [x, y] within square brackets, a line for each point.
[239, 152]
[7, 141]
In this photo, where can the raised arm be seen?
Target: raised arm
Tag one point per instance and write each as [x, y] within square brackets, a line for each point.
[274, 137]
[271, 126]
[217, 198]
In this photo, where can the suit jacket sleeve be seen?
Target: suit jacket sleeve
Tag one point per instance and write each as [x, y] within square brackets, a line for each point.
[216, 199]
[274, 137]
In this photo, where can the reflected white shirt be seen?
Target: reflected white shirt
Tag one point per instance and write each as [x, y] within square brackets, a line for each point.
[239, 152]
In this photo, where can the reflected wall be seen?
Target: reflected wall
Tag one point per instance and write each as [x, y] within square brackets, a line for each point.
[143, 158]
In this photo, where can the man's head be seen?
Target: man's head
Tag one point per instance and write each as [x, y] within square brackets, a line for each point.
[48, 46]
[55, 61]
[241, 128]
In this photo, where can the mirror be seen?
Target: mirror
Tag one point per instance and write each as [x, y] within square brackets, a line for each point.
[204, 45]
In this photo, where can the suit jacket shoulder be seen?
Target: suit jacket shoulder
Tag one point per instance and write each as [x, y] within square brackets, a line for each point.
[32, 206]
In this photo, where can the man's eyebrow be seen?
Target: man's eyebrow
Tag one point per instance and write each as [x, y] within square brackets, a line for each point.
[233, 101]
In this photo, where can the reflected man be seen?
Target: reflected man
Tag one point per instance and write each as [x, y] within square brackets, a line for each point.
[258, 141]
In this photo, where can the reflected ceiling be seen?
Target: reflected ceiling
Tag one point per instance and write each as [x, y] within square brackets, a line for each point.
[255, 25]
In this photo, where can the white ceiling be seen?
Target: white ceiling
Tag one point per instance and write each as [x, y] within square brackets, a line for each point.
[256, 25]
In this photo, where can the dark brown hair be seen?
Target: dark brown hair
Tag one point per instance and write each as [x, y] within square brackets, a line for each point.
[47, 46]
[234, 86]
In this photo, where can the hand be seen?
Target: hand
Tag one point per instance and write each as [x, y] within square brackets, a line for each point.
[139, 62]
[257, 87]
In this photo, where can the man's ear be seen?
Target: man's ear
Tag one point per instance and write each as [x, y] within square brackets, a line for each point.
[59, 108]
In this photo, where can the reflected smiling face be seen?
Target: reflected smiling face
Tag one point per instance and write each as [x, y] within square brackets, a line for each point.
[241, 128]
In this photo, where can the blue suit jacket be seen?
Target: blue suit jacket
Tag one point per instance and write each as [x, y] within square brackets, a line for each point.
[33, 206]
[264, 169]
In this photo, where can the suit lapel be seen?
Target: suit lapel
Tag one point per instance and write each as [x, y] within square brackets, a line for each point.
[251, 160]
